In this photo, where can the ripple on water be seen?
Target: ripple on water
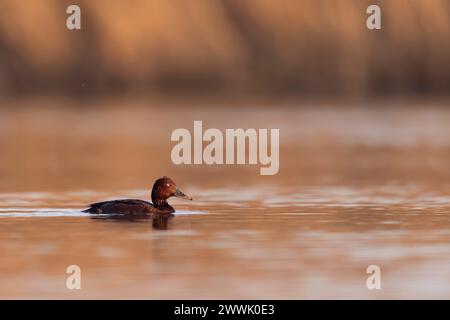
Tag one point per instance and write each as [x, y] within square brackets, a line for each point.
[49, 212]
[41, 212]
[70, 204]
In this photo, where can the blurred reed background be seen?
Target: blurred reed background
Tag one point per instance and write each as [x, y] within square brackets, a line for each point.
[294, 48]
[95, 108]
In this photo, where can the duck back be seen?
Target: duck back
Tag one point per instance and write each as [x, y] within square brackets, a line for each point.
[124, 206]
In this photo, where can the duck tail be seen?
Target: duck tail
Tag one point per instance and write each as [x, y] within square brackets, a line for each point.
[94, 208]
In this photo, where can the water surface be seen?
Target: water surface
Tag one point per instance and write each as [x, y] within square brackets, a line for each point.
[311, 243]
[357, 186]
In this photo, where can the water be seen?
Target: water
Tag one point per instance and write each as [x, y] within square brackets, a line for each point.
[314, 243]
[356, 187]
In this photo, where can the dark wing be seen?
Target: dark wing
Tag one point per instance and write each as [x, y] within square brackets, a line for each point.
[125, 206]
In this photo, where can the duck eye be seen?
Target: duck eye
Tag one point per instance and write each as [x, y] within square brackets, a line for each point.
[167, 184]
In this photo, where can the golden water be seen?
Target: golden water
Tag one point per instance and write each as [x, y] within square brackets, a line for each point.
[357, 186]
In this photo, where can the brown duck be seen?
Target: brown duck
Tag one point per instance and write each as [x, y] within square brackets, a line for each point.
[163, 189]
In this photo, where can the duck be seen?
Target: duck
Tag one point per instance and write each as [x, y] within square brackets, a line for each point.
[163, 189]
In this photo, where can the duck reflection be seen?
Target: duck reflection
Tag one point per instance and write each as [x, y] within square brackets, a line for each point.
[159, 221]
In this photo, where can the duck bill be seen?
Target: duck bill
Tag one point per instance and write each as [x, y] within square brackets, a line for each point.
[179, 194]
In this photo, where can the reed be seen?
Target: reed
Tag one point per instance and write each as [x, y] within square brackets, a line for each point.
[305, 47]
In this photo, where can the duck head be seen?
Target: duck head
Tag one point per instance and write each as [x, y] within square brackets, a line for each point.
[163, 189]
